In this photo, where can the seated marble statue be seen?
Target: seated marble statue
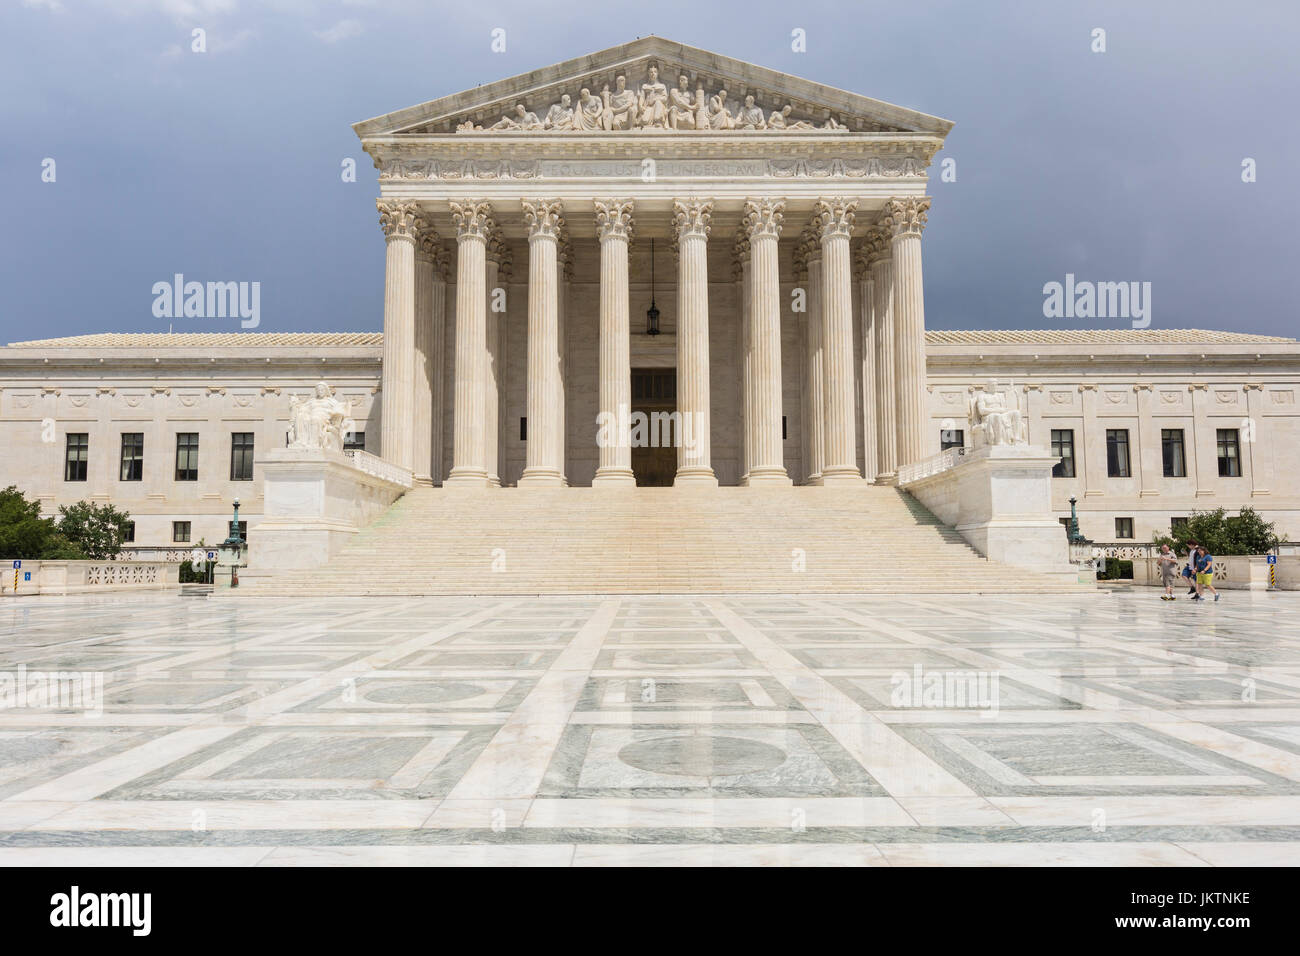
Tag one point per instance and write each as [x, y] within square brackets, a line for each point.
[719, 115]
[652, 102]
[620, 106]
[590, 112]
[681, 109]
[560, 116]
[319, 421]
[750, 116]
[995, 422]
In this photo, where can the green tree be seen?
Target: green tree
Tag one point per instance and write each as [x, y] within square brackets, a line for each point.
[97, 530]
[25, 534]
[1244, 533]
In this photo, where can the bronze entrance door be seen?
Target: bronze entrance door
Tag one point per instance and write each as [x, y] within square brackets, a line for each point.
[654, 390]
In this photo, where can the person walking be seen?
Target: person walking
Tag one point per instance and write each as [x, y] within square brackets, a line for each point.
[1205, 574]
[1189, 570]
[1167, 565]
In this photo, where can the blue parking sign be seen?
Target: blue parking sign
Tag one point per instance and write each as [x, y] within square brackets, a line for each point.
[1272, 559]
[17, 565]
[27, 575]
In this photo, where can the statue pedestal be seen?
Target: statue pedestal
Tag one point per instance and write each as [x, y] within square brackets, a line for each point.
[999, 498]
[315, 501]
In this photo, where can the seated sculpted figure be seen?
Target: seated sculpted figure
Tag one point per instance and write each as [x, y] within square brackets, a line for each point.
[719, 115]
[994, 422]
[318, 422]
[750, 116]
[620, 106]
[681, 108]
[652, 101]
[590, 112]
[560, 116]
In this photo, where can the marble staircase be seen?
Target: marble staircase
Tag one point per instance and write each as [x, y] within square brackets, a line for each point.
[655, 540]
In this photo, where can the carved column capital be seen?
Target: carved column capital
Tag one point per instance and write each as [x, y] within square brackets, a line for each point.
[545, 217]
[399, 220]
[692, 217]
[429, 244]
[763, 217]
[614, 218]
[739, 256]
[834, 217]
[506, 266]
[875, 245]
[496, 245]
[473, 219]
[907, 217]
[565, 255]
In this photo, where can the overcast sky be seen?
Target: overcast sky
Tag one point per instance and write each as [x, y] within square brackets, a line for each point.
[1117, 166]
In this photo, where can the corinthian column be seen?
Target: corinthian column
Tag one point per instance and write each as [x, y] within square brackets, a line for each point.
[740, 272]
[835, 221]
[866, 301]
[545, 397]
[808, 271]
[427, 356]
[762, 224]
[562, 426]
[907, 221]
[694, 458]
[614, 229]
[493, 373]
[400, 222]
[880, 264]
[473, 224]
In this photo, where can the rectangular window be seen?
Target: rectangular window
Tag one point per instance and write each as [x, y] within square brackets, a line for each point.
[181, 532]
[1123, 527]
[1177, 524]
[132, 456]
[187, 456]
[523, 429]
[1063, 448]
[1171, 448]
[241, 456]
[782, 428]
[128, 535]
[1229, 453]
[951, 438]
[1117, 453]
[356, 441]
[74, 456]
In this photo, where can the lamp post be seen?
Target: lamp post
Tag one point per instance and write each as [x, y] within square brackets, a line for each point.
[1075, 537]
[232, 550]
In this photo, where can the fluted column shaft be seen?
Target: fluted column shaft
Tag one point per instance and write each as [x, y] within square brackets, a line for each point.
[882, 281]
[907, 221]
[438, 353]
[840, 448]
[492, 372]
[866, 301]
[400, 222]
[746, 357]
[422, 397]
[613, 228]
[561, 432]
[694, 450]
[544, 396]
[814, 417]
[763, 225]
[473, 224]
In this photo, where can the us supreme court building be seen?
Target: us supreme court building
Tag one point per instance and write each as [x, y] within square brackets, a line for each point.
[654, 265]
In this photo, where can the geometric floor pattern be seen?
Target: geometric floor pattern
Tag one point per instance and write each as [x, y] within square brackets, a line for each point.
[1107, 729]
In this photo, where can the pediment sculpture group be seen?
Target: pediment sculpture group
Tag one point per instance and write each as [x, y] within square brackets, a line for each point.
[652, 106]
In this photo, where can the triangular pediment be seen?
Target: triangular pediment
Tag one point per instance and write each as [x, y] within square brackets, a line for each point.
[643, 106]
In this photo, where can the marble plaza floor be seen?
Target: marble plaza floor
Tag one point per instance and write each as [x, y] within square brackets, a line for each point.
[1107, 729]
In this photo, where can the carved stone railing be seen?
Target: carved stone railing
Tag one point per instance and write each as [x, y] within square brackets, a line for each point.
[1124, 551]
[915, 471]
[374, 465]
